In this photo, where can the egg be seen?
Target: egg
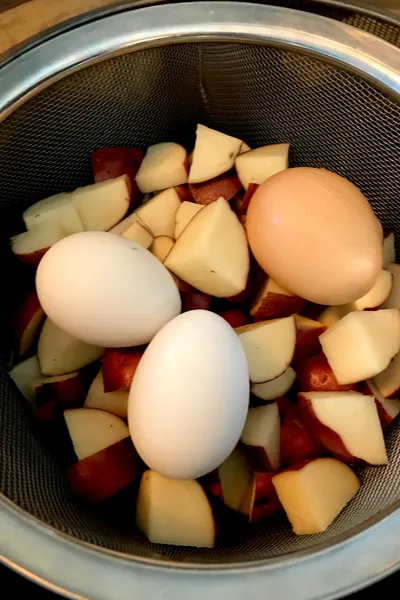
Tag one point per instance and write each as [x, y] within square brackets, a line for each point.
[189, 397]
[316, 235]
[106, 290]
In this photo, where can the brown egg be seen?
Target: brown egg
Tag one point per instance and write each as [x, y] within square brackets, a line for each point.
[316, 235]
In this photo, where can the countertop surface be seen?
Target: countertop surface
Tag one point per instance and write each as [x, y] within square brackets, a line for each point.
[20, 19]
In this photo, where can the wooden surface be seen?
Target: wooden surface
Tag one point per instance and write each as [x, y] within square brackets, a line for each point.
[20, 19]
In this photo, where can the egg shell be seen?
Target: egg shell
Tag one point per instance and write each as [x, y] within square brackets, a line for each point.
[316, 235]
[106, 290]
[189, 397]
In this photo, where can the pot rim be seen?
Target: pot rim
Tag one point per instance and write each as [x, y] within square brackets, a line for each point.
[79, 570]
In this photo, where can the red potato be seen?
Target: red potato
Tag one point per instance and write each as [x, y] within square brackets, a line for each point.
[307, 337]
[113, 402]
[103, 474]
[247, 197]
[388, 409]
[165, 165]
[30, 246]
[226, 185]
[314, 493]
[296, 444]
[161, 247]
[119, 367]
[185, 213]
[269, 347]
[27, 320]
[109, 163]
[272, 302]
[60, 353]
[55, 209]
[362, 344]
[346, 424]
[276, 388]
[184, 193]
[64, 390]
[388, 381]
[261, 437]
[260, 499]
[174, 511]
[195, 301]
[182, 285]
[235, 317]
[258, 165]
[102, 205]
[214, 153]
[24, 374]
[389, 249]
[230, 480]
[315, 375]
[393, 301]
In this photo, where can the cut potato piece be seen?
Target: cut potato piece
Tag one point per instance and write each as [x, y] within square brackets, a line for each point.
[261, 437]
[212, 254]
[272, 301]
[269, 347]
[159, 213]
[177, 512]
[258, 165]
[30, 246]
[214, 153]
[388, 408]
[24, 375]
[139, 234]
[161, 247]
[27, 321]
[92, 430]
[56, 209]
[185, 213]
[164, 166]
[388, 382]
[346, 424]
[230, 480]
[102, 205]
[376, 296]
[315, 493]
[59, 352]
[362, 344]
[393, 301]
[307, 337]
[389, 251]
[271, 390]
[115, 402]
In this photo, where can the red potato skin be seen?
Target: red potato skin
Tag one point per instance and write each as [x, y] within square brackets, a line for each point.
[184, 193]
[242, 210]
[213, 484]
[235, 317]
[182, 285]
[274, 306]
[307, 343]
[33, 258]
[109, 163]
[324, 435]
[66, 394]
[266, 501]
[23, 315]
[119, 367]
[257, 458]
[384, 417]
[314, 374]
[100, 476]
[195, 301]
[226, 185]
[296, 445]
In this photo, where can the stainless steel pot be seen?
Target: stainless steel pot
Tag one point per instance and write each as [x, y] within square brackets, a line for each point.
[264, 73]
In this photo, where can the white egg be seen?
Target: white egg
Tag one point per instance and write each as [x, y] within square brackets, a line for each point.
[189, 398]
[106, 290]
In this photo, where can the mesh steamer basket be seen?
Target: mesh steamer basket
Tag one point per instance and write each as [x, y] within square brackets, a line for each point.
[266, 74]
